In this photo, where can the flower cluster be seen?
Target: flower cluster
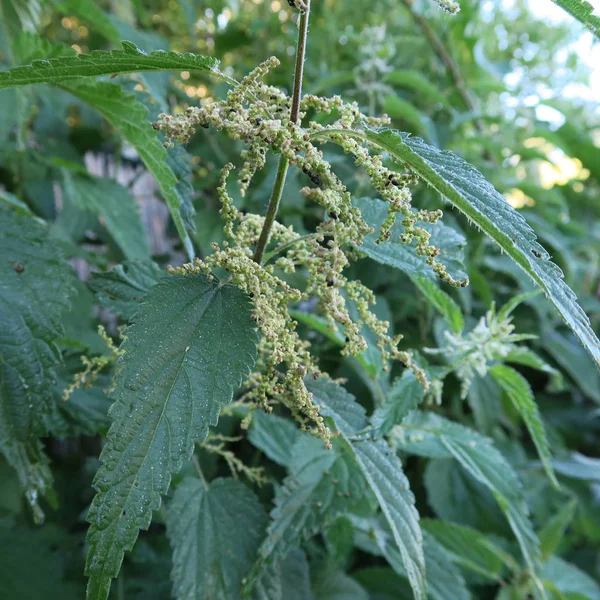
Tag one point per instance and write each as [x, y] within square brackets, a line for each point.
[259, 116]
[450, 6]
[492, 339]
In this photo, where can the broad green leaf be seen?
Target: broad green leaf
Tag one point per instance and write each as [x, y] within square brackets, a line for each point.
[578, 466]
[400, 109]
[336, 585]
[36, 284]
[188, 348]
[274, 435]
[383, 471]
[416, 81]
[576, 363]
[444, 579]
[18, 205]
[442, 302]
[122, 288]
[129, 116]
[405, 394]
[528, 358]
[215, 531]
[322, 484]
[520, 394]
[116, 208]
[288, 580]
[403, 256]
[583, 12]
[469, 548]
[31, 567]
[569, 581]
[462, 185]
[554, 529]
[427, 434]
[384, 584]
[130, 59]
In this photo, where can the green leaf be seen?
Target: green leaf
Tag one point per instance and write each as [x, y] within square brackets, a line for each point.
[189, 346]
[442, 302]
[405, 395]
[583, 12]
[403, 256]
[519, 392]
[123, 287]
[554, 529]
[400, 109]
[274, 435]
[129, 116]
[115, 206]
[427, 434]
[414, 80]
[289, 580]
[469, 548]
[130, 59]
[336, 585]
[522, 355]
[36, 285]
[462, 185]
[89, 12]
[565, 578]
[322, 484]
[383, 471]
[215, 531]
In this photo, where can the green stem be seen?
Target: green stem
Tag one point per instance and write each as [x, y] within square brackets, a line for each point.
[282, 167]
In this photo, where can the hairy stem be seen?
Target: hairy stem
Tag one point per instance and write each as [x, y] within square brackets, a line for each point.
[282, 168]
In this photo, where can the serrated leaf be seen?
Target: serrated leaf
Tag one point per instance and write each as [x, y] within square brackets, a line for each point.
[469, 548]
[428, 434]
[462, 185]
[274, 435]
[123, 287]
[288, 580]
[553, 530]
[442, 302]
[116, 208]
[322, 484]
[129, 116]
[583, 12]
[405, 394]
[35, 288]
[520, 394]
[215, 531]
[403, 256]
[189, 346]
[130, 59]
[383, 471]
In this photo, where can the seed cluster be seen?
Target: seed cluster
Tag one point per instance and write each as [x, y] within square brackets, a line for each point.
[259, 116]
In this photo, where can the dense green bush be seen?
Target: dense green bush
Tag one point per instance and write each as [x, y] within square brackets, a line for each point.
[317, 381]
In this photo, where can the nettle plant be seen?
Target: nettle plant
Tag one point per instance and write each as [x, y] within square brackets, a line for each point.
[225, 335]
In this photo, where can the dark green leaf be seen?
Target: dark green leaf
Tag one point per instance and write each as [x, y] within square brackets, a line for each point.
[130, 59]
[35, 289]
[215, 531]
[274, 435]
[125, 286]
[189, 346]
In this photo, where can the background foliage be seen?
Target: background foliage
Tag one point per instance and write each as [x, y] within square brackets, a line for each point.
[80, 225]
